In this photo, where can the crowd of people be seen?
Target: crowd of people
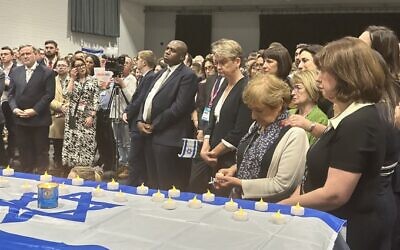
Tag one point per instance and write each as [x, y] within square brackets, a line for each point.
[321, 130]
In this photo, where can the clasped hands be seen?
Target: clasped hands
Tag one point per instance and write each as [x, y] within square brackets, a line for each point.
[26, 113]
[225, 177]
[145, 128]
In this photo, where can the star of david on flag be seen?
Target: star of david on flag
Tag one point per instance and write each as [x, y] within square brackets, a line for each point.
[189, 148]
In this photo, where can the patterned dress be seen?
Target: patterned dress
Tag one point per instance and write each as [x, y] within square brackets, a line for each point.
[80, 143]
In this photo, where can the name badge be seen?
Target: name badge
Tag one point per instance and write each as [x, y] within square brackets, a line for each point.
[206, 114]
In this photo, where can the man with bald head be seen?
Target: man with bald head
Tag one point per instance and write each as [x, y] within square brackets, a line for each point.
[165, 119]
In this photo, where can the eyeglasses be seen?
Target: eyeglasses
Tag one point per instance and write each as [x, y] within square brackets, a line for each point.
[62, 65]
[80, 65]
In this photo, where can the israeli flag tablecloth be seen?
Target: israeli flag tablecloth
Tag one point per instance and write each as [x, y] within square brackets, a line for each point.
[85, 222]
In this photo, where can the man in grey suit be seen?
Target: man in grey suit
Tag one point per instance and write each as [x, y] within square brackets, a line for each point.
[32, 88]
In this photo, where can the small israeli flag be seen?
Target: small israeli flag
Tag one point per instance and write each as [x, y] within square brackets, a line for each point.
[189, 148]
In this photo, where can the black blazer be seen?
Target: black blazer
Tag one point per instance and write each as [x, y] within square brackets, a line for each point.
[235, 118]
[36, 94]
[172, 107]
[133, 109]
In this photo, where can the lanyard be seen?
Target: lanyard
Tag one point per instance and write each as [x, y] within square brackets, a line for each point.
[214, 92]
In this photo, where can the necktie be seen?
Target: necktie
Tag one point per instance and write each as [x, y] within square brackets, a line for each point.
[50, 64]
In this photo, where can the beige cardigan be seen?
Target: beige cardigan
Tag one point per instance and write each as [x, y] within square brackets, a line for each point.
[285, 171]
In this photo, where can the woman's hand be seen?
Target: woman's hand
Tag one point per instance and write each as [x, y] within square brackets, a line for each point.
[297, 121]
[73, 74]
[397, 116]
[89, 122]
[206, 155]
[225, 178]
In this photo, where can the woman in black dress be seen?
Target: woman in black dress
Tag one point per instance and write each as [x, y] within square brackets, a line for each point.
[344, 165]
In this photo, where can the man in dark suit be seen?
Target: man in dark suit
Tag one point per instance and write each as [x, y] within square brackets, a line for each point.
[137, 162]
[50, 54]
[32, 88]
[165, 117]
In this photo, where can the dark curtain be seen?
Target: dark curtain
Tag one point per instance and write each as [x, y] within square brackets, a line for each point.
[99, 17]
[195, 31]
[319, 28]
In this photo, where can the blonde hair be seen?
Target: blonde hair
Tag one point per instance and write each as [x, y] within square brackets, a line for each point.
[226, 48]
[268, 90]
[308, 79]
[149, 57]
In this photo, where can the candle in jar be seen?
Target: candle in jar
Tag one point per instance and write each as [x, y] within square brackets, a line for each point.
[231, 206]
[278, 218]
[158, 197]
[4, 182]
[78, 181]
[46, 177]
[98, 192]
[113, 185]
[208, 197]
[240, 215]
[194, 203]
[120, 197]
[142, 189]
[261, 205]
[169, 204]
[173, 192]
[8, 171]
[297, 210]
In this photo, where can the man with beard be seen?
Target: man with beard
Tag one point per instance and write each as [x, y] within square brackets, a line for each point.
[51, 54]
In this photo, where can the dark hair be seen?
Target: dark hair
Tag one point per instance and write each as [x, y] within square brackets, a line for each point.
[312, 49]
[74, 60]
[280, 54]
[8, 48]
[386, 42]
[51, 42]
[96, 62]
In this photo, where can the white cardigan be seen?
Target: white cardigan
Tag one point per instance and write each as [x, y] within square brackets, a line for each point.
[285, 171]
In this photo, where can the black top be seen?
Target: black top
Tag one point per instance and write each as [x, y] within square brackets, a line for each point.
[357, 145]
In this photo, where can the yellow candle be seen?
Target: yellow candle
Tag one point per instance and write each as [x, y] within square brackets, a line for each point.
[158, 197]
[240, 215]
[142, 189]
[208, 197]
[261, 205]
[194, 203]
[174, 192]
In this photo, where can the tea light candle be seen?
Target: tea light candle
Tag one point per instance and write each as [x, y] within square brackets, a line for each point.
[278, 218]
[219, 174]
[240, 215]
[158, 197]
[46, 177]
[8, 171]
[97, 192]
[169, 204]
[231, 206]
[194, 203]
[173, 192]
[208, 197]
[261, 205]
[113, 185]
[297, 210]
[78, 181]
[63, 189]
[120, 197]
[4, 183]
[142, 189]
[26, 187]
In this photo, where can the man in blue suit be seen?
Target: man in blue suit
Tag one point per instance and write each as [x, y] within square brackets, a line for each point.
[165, 119]
[32, 88]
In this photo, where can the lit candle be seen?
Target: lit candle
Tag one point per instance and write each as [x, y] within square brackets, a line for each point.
[3, 182]
[97, 192]
[169, 204]
[78, 181]
[231, 206]
[158, 197]
[261, 205]
[208, 197]
[46, 177]
[8, 171]
[240, 215]
[63, 189]
[26, 187]
[278, 218]
[120, 197]
[297, 210]
[194, 203]
[218, 175]
[173, 192]
[142, 189]
[113, 185]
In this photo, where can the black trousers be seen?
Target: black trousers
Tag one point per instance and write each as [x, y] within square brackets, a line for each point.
[57, 152]
[4, 160]
[33, 144]
[137, 160]
[165, 168]
[10, 125]
[105, 140]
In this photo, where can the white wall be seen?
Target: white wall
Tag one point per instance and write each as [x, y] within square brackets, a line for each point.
[240, 26]
[34, 21]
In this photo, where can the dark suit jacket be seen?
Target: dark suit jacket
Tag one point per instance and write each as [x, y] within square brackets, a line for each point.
[2, 84]
[235, 118]
[138, 98]
[172, 107]
[36, 94]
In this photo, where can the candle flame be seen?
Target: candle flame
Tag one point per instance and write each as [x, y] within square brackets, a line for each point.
[278, 214]
[77, 177]
[142, 186]
[45, 173]
[158, 191]
[231, 201]
[261, 200]
[208, 191]
[112, 180]
[298, 205]
[98, 187]
[8, 167]
[195, 198]
[173, 187]
[241, 211]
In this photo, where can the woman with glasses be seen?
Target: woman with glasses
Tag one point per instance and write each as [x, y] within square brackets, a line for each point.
[305, 96]
[82, 93]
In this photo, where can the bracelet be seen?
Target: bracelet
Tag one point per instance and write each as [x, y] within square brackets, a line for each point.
[312, 127]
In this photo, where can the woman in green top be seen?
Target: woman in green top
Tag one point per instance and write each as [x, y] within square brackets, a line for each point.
[305, 95]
